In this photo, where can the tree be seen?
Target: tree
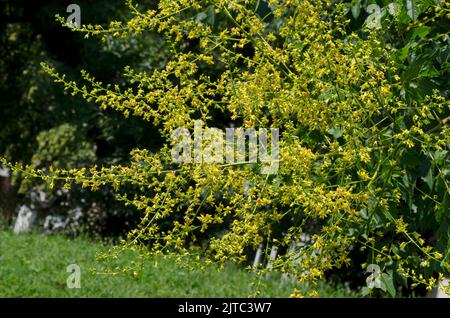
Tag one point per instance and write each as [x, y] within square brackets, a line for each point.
[352, 141]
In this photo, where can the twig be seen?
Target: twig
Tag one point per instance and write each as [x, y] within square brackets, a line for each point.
[438, 126]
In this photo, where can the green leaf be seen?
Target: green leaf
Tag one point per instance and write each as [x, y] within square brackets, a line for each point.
[382, 285]
[211, 20]
[388, 281]
[429, 179]
[365, 291]
[402, 54]
[444, 208]
[409, 11]
[412, 9]
[420, 32]
[356, 10]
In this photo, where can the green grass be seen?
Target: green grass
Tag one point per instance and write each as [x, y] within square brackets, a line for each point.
[33, 265]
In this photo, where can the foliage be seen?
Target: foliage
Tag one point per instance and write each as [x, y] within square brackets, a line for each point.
[364, 161]
[41, 126]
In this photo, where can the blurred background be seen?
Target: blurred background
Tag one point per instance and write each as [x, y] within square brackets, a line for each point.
[40, 124]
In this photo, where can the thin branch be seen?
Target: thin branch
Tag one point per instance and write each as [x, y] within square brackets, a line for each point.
[443, 122]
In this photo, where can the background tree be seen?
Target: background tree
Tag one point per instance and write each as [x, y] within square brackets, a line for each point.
[41, 125]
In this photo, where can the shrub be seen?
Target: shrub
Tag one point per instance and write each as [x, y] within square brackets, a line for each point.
[362, 165]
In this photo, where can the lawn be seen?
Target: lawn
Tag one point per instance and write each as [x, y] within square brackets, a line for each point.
[34, 265]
